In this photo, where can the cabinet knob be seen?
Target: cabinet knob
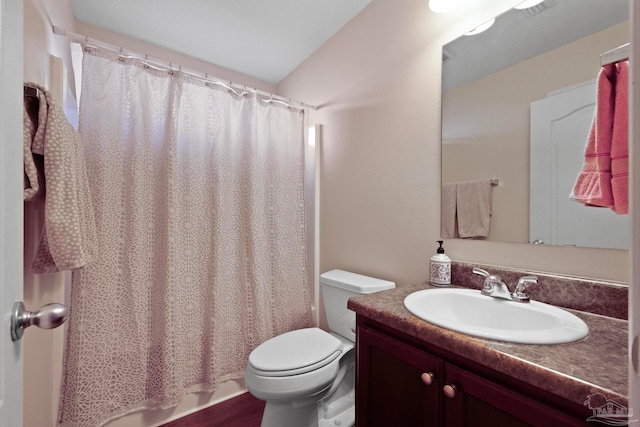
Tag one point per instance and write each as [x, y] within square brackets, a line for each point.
[450, 390]
[427, 378]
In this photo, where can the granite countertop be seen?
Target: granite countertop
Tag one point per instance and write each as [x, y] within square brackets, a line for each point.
[597, 363]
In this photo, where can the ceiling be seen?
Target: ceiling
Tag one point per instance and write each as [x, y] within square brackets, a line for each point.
[263, 39]
[518, 35]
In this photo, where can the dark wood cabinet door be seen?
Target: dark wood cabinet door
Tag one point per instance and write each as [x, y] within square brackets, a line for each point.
[478, 402]
[396, 384]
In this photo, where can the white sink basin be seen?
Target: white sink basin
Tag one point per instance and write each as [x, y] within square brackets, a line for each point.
[470, 312]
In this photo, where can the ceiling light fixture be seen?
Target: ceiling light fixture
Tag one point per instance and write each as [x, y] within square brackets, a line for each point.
[527, 4]
[444, 6]
[480, 28]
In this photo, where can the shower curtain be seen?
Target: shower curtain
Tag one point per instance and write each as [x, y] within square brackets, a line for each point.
[198, 196]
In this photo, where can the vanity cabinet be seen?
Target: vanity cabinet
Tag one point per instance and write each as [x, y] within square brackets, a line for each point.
[400, 384]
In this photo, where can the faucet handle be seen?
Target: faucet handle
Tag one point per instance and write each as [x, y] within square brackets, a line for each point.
[490, 280]
[480, 272]
[520, 293]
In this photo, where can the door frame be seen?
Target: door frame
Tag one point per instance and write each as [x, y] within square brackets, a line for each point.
[634, 194]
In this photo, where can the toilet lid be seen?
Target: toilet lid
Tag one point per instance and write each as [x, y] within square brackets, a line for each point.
[294, 350]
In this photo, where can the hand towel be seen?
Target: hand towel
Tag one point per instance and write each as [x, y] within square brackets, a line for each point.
[593, 185]
[32, 135]
[448, 211]
[620, 141]
[473, 200]
[69, 238]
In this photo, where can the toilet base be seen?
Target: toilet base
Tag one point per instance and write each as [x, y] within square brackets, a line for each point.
[340, 412]
[276, 412]
[346, 417]
[339, 409]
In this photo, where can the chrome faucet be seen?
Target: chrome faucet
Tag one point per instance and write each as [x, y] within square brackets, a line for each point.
[495, 287]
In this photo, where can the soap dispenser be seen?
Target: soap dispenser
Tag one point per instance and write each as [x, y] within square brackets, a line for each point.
[440, 269]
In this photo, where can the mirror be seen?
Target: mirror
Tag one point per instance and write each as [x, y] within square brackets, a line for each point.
[493, 85]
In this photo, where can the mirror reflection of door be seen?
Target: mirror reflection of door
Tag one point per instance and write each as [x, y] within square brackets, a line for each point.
[560, 125]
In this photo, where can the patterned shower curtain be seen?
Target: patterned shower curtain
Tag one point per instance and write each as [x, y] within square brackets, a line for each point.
[199, 204]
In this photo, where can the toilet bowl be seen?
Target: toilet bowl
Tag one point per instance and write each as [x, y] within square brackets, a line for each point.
[307, 376]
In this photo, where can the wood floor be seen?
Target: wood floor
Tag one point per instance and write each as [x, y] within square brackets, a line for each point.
[241, 411]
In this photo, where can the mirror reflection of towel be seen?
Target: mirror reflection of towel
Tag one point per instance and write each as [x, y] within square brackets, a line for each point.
[448, 219]
[473, 200]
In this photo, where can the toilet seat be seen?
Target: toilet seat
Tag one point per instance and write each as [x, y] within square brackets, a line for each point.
[294, 353]
[301, 363]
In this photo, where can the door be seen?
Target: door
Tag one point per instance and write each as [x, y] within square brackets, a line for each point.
[560, 125]
[473, 401]
[11, 171]
[396, 384]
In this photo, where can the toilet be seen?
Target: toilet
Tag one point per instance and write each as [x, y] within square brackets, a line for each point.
[307, 376]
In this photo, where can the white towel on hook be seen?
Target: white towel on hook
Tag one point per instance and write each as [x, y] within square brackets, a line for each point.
[473, 200]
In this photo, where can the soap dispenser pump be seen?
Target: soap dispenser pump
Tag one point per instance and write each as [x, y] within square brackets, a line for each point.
[440, 268]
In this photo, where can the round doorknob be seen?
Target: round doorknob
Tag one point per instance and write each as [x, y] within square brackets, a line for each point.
[47, 317]
[427, 378]
[450, 390]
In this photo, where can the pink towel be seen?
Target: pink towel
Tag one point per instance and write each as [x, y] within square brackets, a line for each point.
[620, 142]
[593, 185]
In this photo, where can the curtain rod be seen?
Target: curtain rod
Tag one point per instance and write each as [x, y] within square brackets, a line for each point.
[618, 54]
[233, 86]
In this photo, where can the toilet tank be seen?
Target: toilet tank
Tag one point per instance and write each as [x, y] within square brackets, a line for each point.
[336, 287]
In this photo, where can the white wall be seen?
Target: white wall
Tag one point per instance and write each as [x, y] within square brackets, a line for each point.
[378, 82]
[166, 55]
